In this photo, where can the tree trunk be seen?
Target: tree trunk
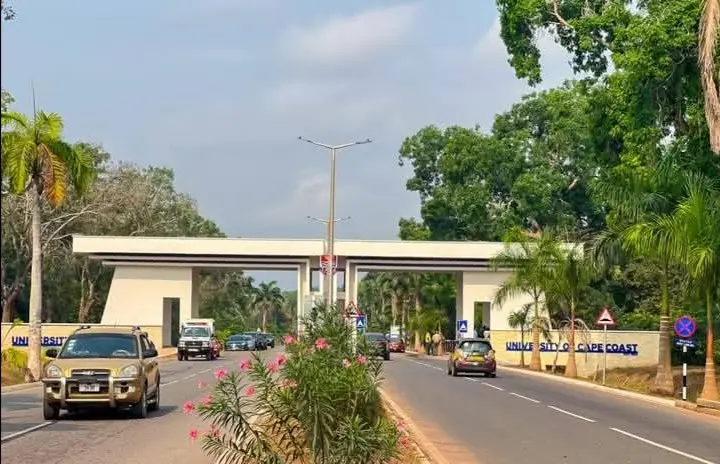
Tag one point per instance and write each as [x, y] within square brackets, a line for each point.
[535, 363]
[710, 387]
[8, 310]
[571, 367]
[522, 345]
[664, 383]
[264, 318]
[35, 304]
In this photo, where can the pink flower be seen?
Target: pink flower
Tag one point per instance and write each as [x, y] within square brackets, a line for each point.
[207, 400]
[289, 339]
[202, 385]
[405, 440]
[245, 365]
[212, 432]
[250, 391]
[280, 360]
[188, 407]
[221, 373]
[346, 363]
[361, 359]
[273, 367]
[400, 426]
[321, 344]
[193, 434]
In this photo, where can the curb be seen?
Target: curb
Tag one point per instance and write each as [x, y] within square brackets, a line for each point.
[594, 386]
[432, 454]
[28, 386]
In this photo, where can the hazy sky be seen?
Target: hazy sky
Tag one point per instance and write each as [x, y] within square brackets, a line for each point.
[219, 90]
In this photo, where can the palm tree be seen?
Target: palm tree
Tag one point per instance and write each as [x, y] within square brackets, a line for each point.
[692, 235]
[37, 162]
[531, 260]
[707, 46]
[520, 320]
[268, 296]
[571, 274]
[633, 199]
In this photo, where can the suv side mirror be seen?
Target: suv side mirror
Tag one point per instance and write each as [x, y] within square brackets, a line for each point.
[150, 353]
[51, 353]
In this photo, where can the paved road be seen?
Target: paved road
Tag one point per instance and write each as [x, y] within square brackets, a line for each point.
[159, 439]
[517, 419]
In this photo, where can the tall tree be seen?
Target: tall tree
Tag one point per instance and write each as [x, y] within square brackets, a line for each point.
[530, 260]
[38, 163]
[708, 45]
[268, 297]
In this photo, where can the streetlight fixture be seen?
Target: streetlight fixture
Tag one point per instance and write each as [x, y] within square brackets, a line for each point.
[330, 252]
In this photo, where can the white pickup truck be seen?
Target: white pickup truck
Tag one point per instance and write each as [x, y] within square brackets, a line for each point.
[197, 338]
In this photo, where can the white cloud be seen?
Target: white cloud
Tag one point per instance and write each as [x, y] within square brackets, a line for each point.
[308, 196]
[350, 39]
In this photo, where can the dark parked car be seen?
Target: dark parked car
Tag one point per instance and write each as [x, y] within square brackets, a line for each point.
[240, 342]
[378, 345]
[269, 339]
[260, 341]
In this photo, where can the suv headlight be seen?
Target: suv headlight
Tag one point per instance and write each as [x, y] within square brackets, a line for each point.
[53, 372]
[205, 343]
[129, 371]
[181, 343]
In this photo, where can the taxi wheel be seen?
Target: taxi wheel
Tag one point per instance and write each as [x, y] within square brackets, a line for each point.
[454, 371]
[492, 375]
[449, 370]
[50, 412]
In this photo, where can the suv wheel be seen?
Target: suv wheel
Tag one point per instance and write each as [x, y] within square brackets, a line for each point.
[50, 412]
[155, 405]
[140, 409]
[386, 356]
[180, 356]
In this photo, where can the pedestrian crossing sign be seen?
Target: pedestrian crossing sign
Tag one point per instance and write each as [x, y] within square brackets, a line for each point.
[462, 326]
[360, 323]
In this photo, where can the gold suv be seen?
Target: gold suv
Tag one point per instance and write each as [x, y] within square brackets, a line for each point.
[114, 368]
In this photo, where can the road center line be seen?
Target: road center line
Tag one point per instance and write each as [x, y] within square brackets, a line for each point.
[524, 397]
[493, 386]
[662, 447]
[189, 377]
[22, 432]
[470, 379]
[571, 414]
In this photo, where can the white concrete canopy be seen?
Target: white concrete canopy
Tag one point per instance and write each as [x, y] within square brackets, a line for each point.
[150, 271]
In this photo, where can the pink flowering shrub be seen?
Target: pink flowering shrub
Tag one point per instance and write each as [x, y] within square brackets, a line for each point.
[317, 403]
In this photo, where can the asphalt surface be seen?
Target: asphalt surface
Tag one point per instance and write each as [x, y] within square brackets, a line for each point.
[517, 419]
[114, 438]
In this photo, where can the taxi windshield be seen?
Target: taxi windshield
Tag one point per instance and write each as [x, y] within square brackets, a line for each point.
[196, 332]
[475, 347]
[240, 338]
[100, 346]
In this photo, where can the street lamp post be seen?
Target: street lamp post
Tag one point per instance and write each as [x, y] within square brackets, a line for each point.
[330, 252]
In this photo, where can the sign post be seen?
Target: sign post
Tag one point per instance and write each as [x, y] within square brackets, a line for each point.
[325, 266]
[605, 319]
[685, 328]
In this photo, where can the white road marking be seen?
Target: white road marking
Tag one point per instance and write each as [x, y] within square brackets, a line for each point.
[663, 447]
[493, 386]
[524, 397]
[189, 377]
[162, 384]
[577, 416]
[20, 433]
[471, 379]
[206, 370]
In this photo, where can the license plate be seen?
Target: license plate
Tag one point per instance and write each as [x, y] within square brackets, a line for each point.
[193, 349]
[476, 359]
[89, 388]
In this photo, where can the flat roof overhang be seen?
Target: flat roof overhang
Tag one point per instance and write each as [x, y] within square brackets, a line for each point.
[245, 248]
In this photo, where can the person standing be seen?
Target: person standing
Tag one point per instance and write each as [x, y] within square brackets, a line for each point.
[436, 340]
[428, 343]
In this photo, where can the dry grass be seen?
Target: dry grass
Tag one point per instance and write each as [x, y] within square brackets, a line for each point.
[640, 379]
[11, 375]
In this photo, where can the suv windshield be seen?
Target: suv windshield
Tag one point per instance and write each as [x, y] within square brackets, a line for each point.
[196, 332]
[475, 347]
[376, 337]
[100, 346]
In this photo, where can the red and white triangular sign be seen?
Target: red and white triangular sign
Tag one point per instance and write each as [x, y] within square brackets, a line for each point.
[606, 317]
[351, 308]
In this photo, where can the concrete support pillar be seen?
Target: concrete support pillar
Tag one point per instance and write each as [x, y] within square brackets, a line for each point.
[303, 292]
[351, 283]
[138, 296]
[465, 303]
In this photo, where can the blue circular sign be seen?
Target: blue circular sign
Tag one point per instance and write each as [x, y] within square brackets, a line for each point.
[685, 326]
